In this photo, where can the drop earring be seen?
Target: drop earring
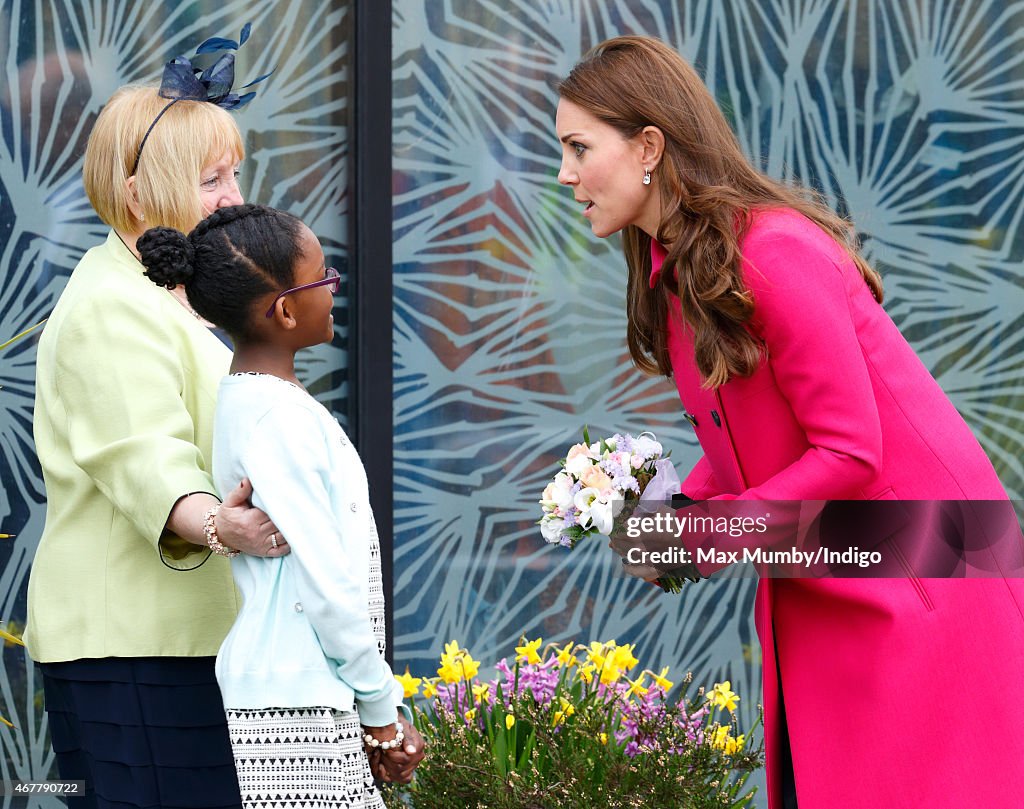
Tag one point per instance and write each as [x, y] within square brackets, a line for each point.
[647, 177]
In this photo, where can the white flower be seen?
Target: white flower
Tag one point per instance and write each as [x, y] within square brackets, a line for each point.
[646, 446]
[551, 528]
[578, 464]
[602, 513]
[583, 501]
[558, 494]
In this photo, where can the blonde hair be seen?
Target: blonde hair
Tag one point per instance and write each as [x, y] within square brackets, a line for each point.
[708, 191]
[189, 136]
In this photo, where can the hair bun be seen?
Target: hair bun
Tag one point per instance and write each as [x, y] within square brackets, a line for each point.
[168, 256]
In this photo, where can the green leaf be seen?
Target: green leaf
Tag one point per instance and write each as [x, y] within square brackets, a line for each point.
[499, 748]
[17, 337]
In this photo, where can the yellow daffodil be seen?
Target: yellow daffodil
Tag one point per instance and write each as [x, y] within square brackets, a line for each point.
[596, 654]
[734, 746]
[722, 740]
[720, 737]
[457, 664]
[587, 672]
[610, 674]
[528, 653]
[567, 710]
[481, 693]
[510, 720]
[565, 657]
[430, 689]
[410, 684]
[636, 687]
[470, 714]
[603, 737]
[661, 682]
[722, 696]
[623, 658]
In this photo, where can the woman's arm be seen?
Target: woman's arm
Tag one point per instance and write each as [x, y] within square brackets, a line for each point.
[239, 526]
[803, 311]
[121, 380]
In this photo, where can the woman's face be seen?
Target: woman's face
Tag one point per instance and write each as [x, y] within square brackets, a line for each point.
[312, 306]
[605, 171]
[218, 184]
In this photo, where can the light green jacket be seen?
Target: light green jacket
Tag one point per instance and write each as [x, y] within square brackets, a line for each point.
[126, 383]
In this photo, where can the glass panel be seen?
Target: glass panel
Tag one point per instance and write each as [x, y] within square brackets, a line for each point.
[509, 314]
[61, 61]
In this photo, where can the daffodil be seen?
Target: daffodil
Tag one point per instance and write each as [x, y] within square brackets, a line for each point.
[661, 682]
[565, 657]
[410, 684]
[636, 687]
[510, 720]
[623, 658]
[603, 738]
[470, 714]
[720, 736]
[528, 653]
[597, 654]
[587, 672]
[722, 696]
[567, 710]
[610, 674]
[457, 664]
[724, 741]
[482, 693]
[734, 746]
[430, 689]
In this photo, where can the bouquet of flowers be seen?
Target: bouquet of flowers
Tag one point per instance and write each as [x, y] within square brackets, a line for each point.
[569, 726]
[600, 481]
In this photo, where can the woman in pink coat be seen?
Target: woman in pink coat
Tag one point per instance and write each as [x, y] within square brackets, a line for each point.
[899, 692]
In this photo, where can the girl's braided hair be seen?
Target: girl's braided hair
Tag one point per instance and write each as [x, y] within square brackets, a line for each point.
[229, 260]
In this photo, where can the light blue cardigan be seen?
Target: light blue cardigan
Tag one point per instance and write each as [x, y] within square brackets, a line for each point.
[304, 635]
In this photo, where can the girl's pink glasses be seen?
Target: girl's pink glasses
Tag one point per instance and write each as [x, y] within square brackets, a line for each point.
[332, 278]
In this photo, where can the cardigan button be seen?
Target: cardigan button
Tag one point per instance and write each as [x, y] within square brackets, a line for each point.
[298, 606]
[715, 418]
[353, 506]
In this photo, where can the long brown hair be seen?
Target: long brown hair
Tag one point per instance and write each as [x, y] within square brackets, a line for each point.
[708, 191]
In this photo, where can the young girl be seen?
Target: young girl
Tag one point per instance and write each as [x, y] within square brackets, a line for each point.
[303, 667]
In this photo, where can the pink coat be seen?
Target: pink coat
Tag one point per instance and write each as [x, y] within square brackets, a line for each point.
[899, 692]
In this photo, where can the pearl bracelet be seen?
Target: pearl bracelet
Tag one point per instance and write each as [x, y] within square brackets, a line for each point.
[392, 744]
[210, 532]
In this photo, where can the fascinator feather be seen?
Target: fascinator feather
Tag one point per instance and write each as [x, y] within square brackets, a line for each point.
[183, 81]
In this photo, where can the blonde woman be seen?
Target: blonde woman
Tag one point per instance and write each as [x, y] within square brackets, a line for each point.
[131, 594]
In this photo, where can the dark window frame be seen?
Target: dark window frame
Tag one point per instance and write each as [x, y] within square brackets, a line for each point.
[371, 402]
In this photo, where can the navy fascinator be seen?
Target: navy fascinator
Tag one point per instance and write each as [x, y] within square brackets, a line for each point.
[182, 81]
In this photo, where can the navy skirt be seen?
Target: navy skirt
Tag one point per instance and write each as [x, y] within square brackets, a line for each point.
[142, 732]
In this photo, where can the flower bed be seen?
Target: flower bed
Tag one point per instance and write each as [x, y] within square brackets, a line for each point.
[573, 726]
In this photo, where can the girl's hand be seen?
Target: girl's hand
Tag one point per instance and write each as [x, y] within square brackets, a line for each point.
[396, 766]
[247, 529]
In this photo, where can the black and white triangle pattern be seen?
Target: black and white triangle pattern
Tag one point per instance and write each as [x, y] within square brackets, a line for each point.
[301, 757]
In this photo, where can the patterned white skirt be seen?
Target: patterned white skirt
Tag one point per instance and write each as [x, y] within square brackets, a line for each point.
[301, 757]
